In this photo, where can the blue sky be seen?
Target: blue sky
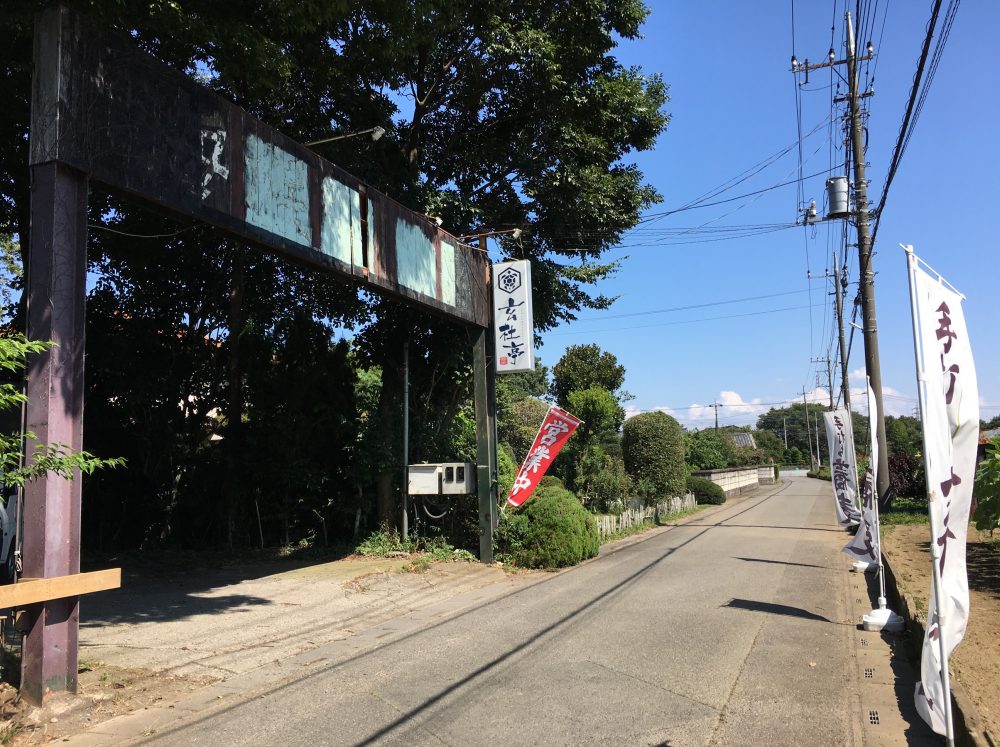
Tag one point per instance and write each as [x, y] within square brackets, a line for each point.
[733, 104]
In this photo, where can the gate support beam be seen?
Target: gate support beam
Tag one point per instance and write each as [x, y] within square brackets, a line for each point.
[486, 441]
[56, 286]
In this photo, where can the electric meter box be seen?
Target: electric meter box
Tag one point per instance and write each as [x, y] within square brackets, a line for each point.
[448, 478]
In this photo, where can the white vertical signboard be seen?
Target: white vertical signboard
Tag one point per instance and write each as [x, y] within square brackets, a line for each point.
[513, 326]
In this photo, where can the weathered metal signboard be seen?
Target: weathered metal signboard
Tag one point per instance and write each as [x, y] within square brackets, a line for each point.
[117, 114]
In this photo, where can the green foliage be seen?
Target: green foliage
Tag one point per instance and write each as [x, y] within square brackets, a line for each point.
[557, 531]
[905, 511]
[599, 410]
[903, 435]
[585, 367]
[506, 470]
[706, 491]
[523, 116]
[601, 480]
[771, 446]
[794, 455]
[518, 423]
[987, 490]
[800, 435]
[42, 459]
[653, 450]
[386, 542]
[708, 449]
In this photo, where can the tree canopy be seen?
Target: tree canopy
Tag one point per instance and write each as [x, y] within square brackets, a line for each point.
[497, 115]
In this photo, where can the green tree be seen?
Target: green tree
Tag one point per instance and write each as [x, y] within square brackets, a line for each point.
[903, 435]
[496, 115]
[653, 450]
[585, 367]
[772, 447]
[987, 490]
[801, 435]
[708, 449]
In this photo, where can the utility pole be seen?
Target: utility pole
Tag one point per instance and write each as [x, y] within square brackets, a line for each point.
[861, 217]
[805, 408]
[784, 425]
[716, 405]
[867, 275]
[839, 285]
[819, 461]
[829, 376]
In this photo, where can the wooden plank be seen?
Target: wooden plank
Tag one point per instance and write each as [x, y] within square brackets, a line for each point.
[35, 590]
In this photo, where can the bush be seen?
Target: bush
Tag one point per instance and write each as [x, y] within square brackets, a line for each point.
[706, 491]
[653, 450]
[906, 477]
[552, 530]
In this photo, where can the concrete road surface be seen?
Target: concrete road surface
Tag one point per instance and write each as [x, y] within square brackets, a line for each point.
[732, 630]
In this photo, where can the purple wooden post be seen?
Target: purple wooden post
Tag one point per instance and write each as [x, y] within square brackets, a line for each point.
[57, 276]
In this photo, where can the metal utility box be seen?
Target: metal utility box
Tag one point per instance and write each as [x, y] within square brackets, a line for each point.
[448, 478]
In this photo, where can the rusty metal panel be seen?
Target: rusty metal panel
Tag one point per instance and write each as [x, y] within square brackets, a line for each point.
[115, 113]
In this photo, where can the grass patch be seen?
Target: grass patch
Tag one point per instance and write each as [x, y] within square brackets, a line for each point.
[905, 511]
[8, 731]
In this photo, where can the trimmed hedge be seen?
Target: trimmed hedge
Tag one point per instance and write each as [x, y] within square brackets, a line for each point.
[553, 530]
[653, 450]
[706, 491]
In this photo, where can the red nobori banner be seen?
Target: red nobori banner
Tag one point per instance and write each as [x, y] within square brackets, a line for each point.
[556, 429]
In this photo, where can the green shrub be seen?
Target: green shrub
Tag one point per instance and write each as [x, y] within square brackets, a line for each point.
[706, 491]
[653, 450]
[777, 473]
[552, 530]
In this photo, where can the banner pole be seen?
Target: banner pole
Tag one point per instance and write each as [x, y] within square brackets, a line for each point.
[935, 550]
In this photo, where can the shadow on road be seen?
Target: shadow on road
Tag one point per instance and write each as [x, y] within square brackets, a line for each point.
[780, 562]
[774, 609]
[572, 616]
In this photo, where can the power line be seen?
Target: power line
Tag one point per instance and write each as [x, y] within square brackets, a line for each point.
[905, 128]
[602, 317]
[685, 321]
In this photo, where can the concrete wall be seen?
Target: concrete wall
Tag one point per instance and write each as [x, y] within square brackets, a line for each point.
[765, 475]
[733, 480]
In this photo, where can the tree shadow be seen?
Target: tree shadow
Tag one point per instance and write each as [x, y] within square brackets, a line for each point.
[983, 563]
[774, 609]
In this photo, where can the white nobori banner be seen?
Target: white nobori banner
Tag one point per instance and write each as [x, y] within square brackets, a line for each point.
[843, 469]
[949, 413]
[513, 324]
[864, 545]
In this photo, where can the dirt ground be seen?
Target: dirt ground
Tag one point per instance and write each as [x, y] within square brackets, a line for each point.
[105, 691]
[976, 662]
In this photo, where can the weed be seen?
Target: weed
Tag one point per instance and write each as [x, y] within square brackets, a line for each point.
[8, 731]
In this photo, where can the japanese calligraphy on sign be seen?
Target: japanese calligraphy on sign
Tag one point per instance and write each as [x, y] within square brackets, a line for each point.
[843, 470]
[864, 545]
[949, 415]
[554, 432]
[513, 326]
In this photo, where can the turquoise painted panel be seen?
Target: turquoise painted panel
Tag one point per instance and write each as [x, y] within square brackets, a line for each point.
[371, 236]
[277, 191]
[339, 235]
[415, 259]
[448, 273]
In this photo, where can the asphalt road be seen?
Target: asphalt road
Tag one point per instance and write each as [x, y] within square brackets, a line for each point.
[731, 630]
